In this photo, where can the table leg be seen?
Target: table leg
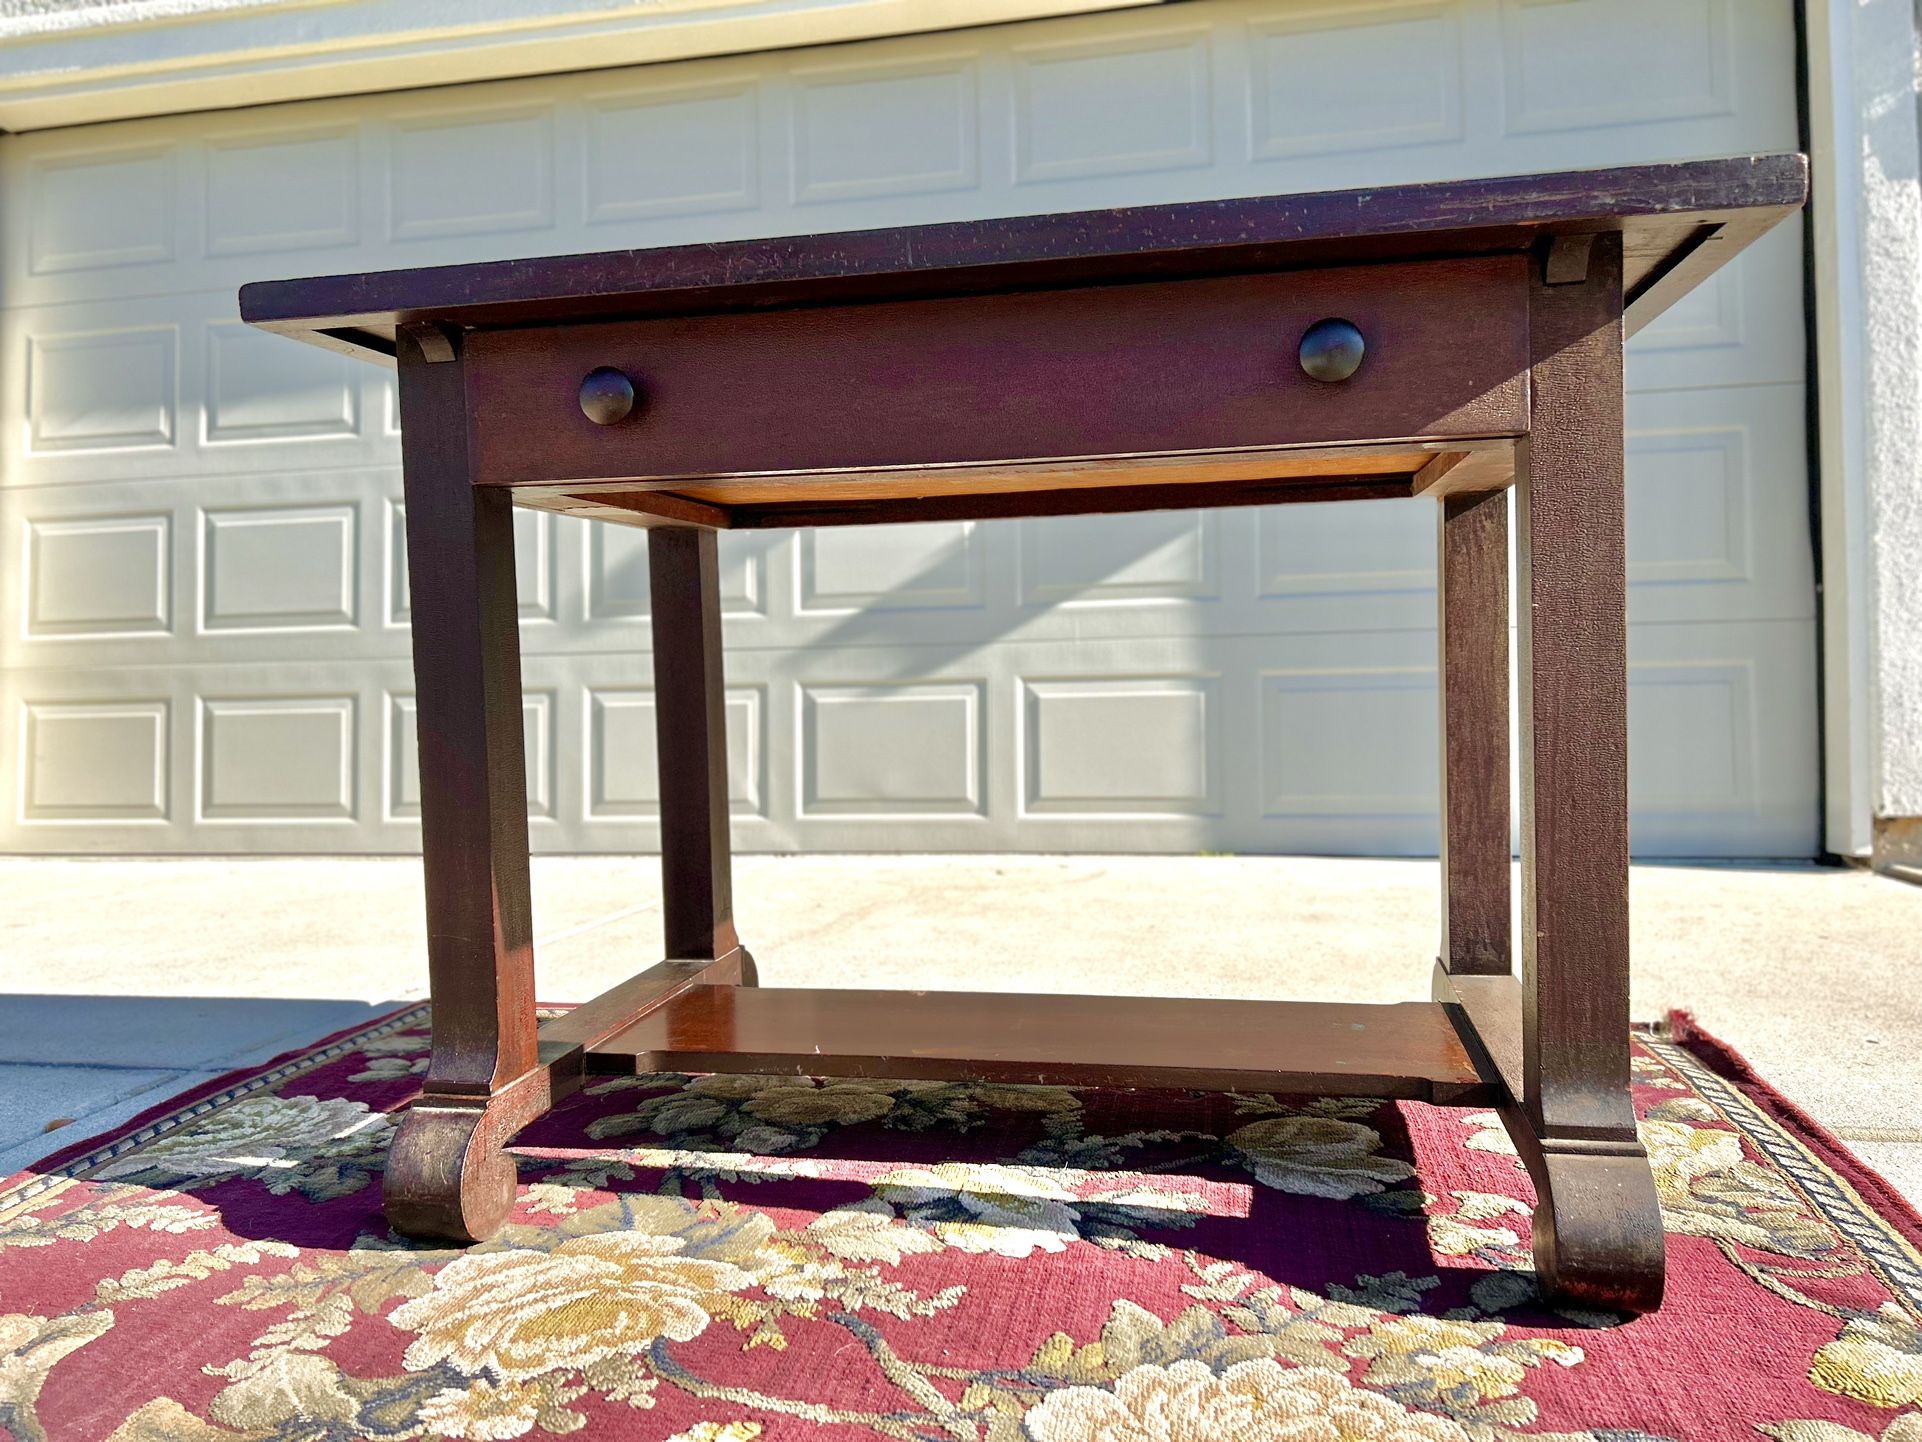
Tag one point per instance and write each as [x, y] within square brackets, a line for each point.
[690, 709]
[1598, 1225]
[447, 1174]
[1472, 575]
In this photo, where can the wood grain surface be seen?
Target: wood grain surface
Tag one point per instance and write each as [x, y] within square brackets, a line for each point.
[690, 740]
[1572, 635]
[985, 380]
[1472, 627]
[467, 699]
[1408, 1049]
[1680, 219]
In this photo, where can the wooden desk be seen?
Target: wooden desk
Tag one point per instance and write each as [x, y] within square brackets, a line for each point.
[1118, 360]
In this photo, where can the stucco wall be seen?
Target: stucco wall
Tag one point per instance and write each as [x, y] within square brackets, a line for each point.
[19, 18]
[1867, 212]
[1892, 262]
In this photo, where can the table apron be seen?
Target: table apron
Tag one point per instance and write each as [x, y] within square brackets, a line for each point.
[1109, 371]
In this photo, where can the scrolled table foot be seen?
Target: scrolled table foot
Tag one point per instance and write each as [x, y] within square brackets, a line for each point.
[448, 1173]
[1598, 1225]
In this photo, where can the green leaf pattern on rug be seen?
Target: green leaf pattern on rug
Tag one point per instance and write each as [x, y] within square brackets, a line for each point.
[1316, 1156]
[319, 1147]
[782, 1113]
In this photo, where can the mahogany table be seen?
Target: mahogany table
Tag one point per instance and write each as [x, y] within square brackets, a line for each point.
[1451, 340]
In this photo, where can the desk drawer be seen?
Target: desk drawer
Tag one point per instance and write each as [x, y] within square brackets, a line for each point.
[1105, 371]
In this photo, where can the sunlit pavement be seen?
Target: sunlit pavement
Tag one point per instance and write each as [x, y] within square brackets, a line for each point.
[132, 980]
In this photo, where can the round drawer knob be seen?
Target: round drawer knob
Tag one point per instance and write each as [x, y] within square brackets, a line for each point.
[607, 396]
[1331, 350]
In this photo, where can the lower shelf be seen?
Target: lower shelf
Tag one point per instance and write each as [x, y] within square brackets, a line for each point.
[1408, 1049]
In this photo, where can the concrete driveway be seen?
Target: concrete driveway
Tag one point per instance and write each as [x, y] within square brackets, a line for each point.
[130, 980]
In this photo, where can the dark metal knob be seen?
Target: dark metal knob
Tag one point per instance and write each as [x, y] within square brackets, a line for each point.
[607, 396]
[1331, 350]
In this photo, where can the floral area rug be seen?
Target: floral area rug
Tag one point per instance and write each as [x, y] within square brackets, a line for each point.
[722, 1259]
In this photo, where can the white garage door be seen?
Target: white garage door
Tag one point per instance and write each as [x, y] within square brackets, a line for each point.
[205, 643]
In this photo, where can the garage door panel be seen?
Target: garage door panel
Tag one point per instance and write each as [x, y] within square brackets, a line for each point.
[218, 571]
[269, 189]
[463, 171]
[1137, 101]
[869, 568]
[1352, 751]
[102, 760]
[1565, 60]
[606, 787]
[1718, 506]
[621, 777]
[1121, 745]
[1596, 68]
[1709, 736]
[1743, 326]
[279, 568]
[1300, 106]
[175, 386]
[101, 577]
[616, 600]
[1096, 561]
[114, 760]
[98, 394]
[400, 760]
[663, 148]
[1348, 548]
[257, 389]
[107, 208]
[536, 565]
[214, 544]
[930, 139]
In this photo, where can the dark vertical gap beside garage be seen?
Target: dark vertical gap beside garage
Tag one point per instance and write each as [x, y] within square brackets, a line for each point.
[1812, 432]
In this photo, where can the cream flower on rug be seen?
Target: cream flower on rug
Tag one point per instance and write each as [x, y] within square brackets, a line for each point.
[1709, 1188]
[259, 1136]
[1906, 1428]
[523, 1313]
[1011, 1211]
[1317, 1156]
[1490, 1135]
[1877, 1359]
[29, 1348]
[1257, 1401]
[486, 1411]
[1460, 1234]
[1444, 1355]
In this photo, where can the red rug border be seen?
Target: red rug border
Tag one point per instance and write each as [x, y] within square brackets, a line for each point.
[63, 1155]
[1681, 1028]
[1678, 1026]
